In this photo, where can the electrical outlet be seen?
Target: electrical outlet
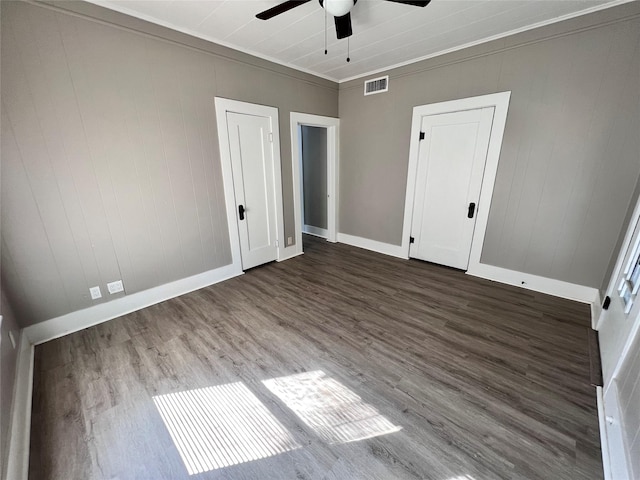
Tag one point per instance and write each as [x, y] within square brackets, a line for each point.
[115, 287]
[289, 240]
[12, 338]
[95, 293]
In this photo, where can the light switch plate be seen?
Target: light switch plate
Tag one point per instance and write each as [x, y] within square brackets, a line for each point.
[95, 293]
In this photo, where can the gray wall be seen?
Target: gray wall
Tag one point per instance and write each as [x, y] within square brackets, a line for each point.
[314, 175]
[110, 161]
[8, 358]
[569, 161]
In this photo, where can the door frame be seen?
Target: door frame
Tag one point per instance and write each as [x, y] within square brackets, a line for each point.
[611, 434]
[500, 102]
[222, 106]
[626, 244]
[333, 158]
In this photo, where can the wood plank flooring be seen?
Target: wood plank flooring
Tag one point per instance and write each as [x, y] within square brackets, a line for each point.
[482, 381]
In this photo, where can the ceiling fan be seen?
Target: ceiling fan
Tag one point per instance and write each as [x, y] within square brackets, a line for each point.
[340, 9]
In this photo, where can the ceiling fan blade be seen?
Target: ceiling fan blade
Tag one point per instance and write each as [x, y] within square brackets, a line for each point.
[415, 3]
[343, 26]
[278, 9]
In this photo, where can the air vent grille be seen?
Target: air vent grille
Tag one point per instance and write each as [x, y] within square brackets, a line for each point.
[376, 85]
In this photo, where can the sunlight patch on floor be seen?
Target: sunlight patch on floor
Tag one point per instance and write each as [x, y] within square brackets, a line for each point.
[335, 413]
[220, 426]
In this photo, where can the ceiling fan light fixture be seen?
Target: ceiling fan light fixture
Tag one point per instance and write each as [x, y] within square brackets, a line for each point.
[338, 8]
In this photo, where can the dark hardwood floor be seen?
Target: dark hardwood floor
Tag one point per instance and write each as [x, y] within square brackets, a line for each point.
[338, 364]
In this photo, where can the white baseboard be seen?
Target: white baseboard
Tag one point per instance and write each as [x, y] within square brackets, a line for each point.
[549, 286]
[317, 231]
[596, 310]
[373, 245]
[290, 252]
[81, 319]
[528, 281]
[20, 428]
[614, 452]
[604, 444]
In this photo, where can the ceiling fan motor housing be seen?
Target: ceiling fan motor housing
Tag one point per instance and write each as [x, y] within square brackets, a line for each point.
[338, 8]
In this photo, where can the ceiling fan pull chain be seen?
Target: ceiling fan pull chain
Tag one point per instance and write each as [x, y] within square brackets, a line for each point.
[325, 32]
[348, 49]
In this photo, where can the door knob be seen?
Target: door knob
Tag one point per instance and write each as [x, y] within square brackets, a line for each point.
[241, 211]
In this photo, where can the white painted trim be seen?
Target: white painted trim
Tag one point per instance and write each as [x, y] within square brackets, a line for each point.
[372, 80]
[613, 441]
[633, 333]
[316, 231]
[298, 185]
[20, 428]
[596, 310]
[333, 223]
[604, 444]
[81, 319]
[611, 432]
[224, 105]
[626, 243]
[536, 283]
[333, 161]
[498, 36]
[118, 7]
[500, 101]
[289, 252]
[373, 245]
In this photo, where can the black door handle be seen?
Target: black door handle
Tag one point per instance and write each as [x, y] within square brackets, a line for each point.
[472, 209]
[241, 211]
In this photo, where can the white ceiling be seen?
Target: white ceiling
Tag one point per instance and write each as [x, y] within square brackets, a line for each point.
[385, 34]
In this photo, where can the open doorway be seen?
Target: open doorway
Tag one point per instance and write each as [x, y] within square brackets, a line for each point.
[313, 170]
[314, 152]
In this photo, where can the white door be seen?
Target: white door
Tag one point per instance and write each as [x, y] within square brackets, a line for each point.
[618, 327]
[252, 163]
[451, 164]
[623, 309]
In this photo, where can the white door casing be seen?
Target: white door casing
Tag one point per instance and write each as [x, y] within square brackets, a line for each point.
[333, 152]
[252, 164]
[448, 182]
[617, 322]
[617, 330]
[223, 107]
[500, 101]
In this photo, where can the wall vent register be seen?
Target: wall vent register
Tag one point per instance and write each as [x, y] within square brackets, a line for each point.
[376, 85]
